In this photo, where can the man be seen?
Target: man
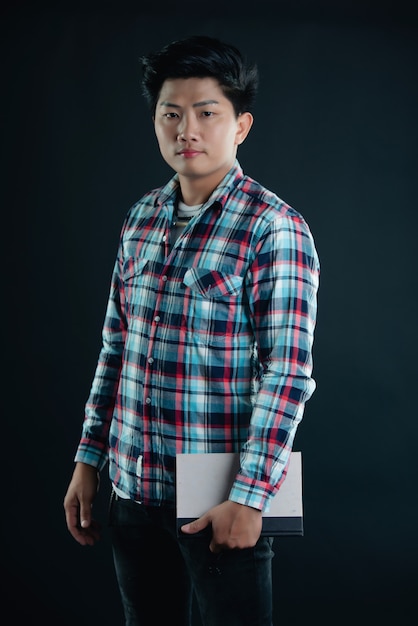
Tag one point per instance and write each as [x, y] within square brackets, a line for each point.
[207, 347]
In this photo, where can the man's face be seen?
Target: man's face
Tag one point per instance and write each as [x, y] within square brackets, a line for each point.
[197, 129]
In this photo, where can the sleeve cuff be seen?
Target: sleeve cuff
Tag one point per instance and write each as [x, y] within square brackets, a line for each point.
[91, 456]
[253, 493]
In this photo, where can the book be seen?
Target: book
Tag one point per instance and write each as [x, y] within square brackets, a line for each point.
[204, 480]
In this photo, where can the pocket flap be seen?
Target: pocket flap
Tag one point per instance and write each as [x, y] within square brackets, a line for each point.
[212, 284]
[133, 267]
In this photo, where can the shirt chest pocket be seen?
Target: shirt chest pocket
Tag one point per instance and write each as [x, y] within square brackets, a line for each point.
[132, 268]
[134, 283]
[213, 305]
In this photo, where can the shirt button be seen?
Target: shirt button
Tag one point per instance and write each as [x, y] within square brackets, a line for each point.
[148, 401]
[164, 238]
[157, 318]
[150, 360]
[164, 278]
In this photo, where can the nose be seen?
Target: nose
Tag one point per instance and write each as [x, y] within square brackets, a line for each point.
[187, 130]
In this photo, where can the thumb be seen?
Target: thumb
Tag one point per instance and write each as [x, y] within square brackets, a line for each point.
[85, 515]
[196, 526]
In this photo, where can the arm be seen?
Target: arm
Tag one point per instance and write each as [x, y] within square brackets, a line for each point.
[281, 289]
[282, 292]
[93, 446]
[91, 454]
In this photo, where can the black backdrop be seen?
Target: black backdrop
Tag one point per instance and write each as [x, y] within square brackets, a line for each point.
[335, 135]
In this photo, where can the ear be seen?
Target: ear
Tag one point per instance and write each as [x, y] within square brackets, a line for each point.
[244, 123]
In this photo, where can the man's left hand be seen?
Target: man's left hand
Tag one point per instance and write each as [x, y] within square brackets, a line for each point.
[233, 526]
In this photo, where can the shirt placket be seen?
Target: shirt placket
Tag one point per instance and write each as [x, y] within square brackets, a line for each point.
[151, 389]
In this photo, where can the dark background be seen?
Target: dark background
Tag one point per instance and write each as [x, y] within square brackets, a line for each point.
[335, 135]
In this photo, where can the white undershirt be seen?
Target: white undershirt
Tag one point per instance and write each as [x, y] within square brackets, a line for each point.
[186, 211]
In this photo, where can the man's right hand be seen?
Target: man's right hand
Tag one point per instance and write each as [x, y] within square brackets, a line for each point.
[78, 503]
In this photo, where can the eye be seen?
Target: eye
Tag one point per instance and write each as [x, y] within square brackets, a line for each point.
[170, 115]
[207, 113]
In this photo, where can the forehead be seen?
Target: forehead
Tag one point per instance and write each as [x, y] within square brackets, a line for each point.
[190, 90]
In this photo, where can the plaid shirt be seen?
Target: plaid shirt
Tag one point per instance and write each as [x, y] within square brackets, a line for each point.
[207, 344]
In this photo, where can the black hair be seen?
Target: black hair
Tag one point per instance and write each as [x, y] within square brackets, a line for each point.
[200, 56]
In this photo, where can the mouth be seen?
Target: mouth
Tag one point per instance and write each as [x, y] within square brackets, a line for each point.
[188, 153]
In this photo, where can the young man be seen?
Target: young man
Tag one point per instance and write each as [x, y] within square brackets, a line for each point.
[207, 347]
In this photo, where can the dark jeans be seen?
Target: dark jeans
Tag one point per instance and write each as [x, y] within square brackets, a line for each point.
[157, 572]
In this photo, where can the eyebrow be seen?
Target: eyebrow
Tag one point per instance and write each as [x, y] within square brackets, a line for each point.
[196, 104]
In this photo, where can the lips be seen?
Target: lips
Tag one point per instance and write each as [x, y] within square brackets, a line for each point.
[189, 154]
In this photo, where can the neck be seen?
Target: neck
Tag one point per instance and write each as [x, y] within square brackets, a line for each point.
[193, 196]
[198, 189]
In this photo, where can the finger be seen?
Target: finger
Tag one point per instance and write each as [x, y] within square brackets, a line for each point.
[91, 534]
[79, 534]
[87, 536]
[215, 548]
[196, 526]
[94, 530]
[71, 517]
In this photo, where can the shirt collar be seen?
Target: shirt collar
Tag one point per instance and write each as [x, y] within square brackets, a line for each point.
[168, 193]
